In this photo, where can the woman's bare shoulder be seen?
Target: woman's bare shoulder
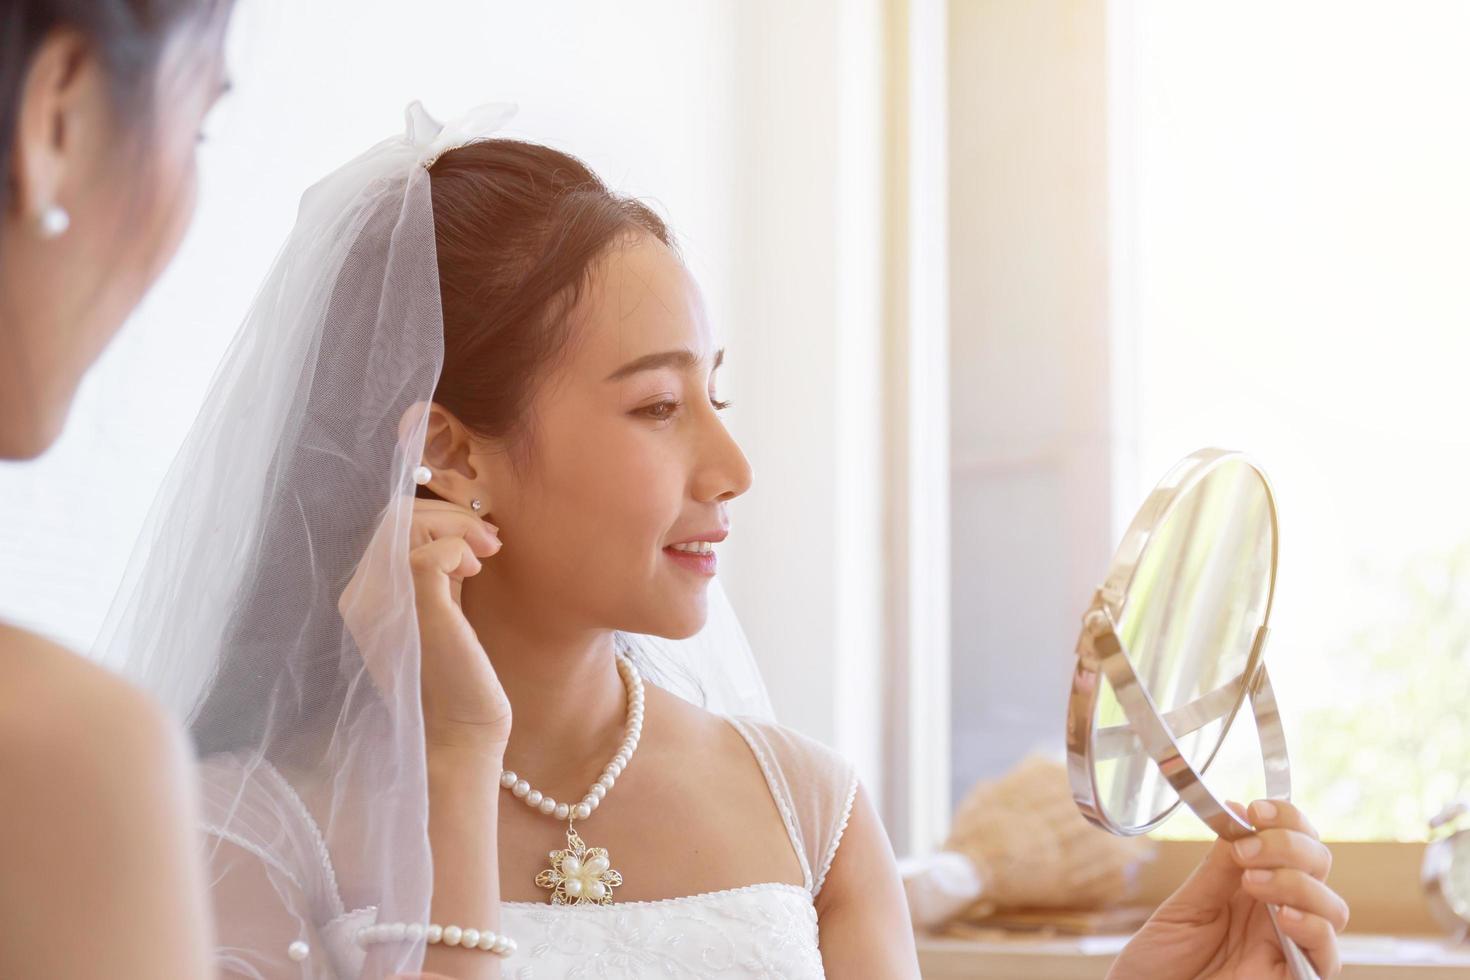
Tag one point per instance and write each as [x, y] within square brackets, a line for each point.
[688, 724]
[58, 703]
[98, 823]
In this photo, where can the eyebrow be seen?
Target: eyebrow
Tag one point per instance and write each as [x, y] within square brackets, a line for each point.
[682, 359]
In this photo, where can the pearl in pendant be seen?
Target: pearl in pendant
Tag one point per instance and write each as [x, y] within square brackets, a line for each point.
[573, 887]
[298, 951]
[595, 890]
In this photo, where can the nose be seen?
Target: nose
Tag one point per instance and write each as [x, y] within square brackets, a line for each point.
[723, 472]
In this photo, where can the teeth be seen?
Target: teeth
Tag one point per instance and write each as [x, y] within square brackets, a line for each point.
[696, 547]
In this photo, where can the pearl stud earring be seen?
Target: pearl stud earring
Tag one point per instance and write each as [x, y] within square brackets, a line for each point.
[53, 221]
[423, 475]
[475, 504]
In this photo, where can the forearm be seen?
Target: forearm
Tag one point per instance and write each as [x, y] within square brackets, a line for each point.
[464, 798]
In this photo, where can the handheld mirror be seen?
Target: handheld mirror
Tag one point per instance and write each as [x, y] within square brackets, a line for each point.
[1172, 650]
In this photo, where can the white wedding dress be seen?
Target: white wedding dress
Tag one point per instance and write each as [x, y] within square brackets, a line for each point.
[761, 930]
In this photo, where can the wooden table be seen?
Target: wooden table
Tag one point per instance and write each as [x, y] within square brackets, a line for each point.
[1365, 957]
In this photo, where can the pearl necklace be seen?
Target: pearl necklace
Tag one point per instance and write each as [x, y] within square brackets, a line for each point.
[582, 875]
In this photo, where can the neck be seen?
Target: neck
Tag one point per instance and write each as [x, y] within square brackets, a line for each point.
[569, 702]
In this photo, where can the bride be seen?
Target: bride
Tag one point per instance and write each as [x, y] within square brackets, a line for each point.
[433, 579]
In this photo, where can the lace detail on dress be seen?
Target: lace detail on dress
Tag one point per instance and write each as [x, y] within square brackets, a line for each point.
[837, 837]
[211, 830]
[814, 789]
[767, 931]
[782, 798]
[324, 857]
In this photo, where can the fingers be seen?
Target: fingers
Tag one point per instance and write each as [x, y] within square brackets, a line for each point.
[1283, 815]
[1315, 935]
[450, 520]
[1286, 865]
[450, 556]
[1298, 890]
[1283, 849]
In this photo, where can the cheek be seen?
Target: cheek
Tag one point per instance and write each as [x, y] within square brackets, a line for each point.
[174, 195]
[142, 230]
[609, 491]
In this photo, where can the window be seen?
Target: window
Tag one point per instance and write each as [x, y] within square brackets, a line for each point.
[1174, 227]
[1295, 242]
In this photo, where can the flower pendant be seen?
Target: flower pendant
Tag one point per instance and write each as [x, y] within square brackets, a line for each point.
[579, 875]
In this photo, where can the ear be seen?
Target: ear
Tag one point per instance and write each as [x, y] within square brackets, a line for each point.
[60, 98]
[448, 450]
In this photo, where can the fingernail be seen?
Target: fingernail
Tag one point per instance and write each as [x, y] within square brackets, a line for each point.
[1291, 914]
[1248, 847]
[1263, 810]
[1258, 876]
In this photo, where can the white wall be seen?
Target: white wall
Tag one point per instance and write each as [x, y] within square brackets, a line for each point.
[807, 556]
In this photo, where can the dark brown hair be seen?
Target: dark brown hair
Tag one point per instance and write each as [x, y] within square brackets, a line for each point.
[128, 37]
[518, 228]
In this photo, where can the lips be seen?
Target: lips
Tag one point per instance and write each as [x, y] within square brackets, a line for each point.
[697, 553]
[711, 537]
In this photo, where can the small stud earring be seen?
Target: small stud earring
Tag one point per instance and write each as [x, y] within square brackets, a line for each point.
[53, 221]
[423, 475]
[475, 504]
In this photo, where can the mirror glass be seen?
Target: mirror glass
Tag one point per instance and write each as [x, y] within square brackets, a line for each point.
[1188, 620]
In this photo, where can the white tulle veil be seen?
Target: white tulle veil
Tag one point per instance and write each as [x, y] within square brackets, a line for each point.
[229, 608]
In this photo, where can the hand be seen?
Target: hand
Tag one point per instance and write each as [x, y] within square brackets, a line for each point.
[1216, 925]
[464, 703]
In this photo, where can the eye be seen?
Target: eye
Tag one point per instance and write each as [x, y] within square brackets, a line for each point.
[660, 411]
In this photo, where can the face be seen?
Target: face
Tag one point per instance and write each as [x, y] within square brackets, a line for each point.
[62, 299]
[629, 465]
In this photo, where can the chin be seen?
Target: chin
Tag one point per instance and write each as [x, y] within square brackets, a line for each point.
[682, 619]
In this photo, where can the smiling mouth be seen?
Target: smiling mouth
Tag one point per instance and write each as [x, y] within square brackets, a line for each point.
[697, 556]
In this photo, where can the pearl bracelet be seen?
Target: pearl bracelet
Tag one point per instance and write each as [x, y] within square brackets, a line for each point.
[412, 932]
